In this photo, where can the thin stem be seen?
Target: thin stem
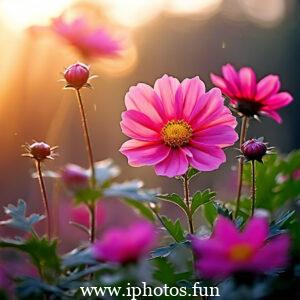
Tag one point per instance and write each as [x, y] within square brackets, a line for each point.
[243, 135]
[253, 188]
[187, 201]
[91, 162]
[44, 196]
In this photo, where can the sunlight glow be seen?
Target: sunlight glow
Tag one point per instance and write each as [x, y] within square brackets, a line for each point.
[20, 14]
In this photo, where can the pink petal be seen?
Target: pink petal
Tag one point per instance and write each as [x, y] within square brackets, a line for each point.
[272, 114]
[267, 87]
[139, 126]
[206, 158]
[225, 231]
[221, 84]
[247, 82]
[166, 88]
[256, 232]
[192, 90]
[209, 248]
[175, 164]
[141, 153]
[143, 98]
[219, 135]
[214, 268]
[273, 255]
[232, 79]
[277, 101]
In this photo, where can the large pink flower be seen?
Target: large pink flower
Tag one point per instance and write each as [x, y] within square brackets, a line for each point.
[249, 97]
[90, 42]
[228, 250]
[125, 245]
[174, 125]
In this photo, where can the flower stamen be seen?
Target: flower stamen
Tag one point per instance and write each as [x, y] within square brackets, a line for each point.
[240, 252]
[176, 133]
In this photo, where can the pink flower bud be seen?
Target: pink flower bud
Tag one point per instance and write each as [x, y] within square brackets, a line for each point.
[74, 177]
[254, 149]
[77, 75]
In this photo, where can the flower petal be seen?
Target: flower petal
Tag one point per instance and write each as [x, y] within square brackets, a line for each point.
[139, 126]
[232, 79]
[143, 98]
[272, 114]
[219, 135]
[247, 82]
[141, 153]
[166, 88]
[267, 87]
[277, 101]
[221, 84]
[175, 164]
[206, 158]
[226, 231]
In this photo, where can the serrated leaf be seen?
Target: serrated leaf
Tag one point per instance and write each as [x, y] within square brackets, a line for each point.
[167, 250]
[18, 217]
[200, 198]
[174, 198]
[141, 208]
[174, 228]
[210, 212]
[192, 173]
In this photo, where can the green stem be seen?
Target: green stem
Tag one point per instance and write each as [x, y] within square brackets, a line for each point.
[44, 196]
[92, 207]
[253, 188]
[243, 135]
[187, 201]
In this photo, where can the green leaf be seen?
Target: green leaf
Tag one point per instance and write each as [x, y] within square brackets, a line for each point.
[18, 217]
[174, 228]
[141, 208]
[192, 173]
[87, 196]
[174, 198]
[43, 255]
[200, 198]
[167, 250]
[210, 212]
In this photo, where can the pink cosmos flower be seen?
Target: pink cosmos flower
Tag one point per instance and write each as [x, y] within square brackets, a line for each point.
[228, 250]
[174, 125]
[125, 245]
[90, 42]
[249, 97]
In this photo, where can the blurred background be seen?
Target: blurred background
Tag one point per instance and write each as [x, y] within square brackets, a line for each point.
[183, 38]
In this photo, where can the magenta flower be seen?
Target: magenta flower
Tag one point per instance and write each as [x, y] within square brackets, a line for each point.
[249, 97]
[176, 125]
[125, 245]
[228, 250]
[90, 42]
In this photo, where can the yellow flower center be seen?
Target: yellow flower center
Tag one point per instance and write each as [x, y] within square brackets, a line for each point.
[241, 252]
[176, 133]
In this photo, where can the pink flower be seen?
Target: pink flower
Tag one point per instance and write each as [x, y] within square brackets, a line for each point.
[174, 125]
[249, 97]
[228, 250]
[90, 42]
[125, 245]
[77, 76]
[74, 177]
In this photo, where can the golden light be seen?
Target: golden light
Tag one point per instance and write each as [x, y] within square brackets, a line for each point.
[193, 6]
[132, 13]
[20, 14]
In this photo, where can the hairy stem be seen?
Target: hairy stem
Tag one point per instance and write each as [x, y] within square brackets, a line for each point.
[44, 196]
[243, 135]
[187, 201]
[253, 196]
[85, 129]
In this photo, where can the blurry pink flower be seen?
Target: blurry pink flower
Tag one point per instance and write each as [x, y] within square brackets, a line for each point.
[125, 245]
[90, 42]
[296, 175]
[74, 177]
[176, 125]
[228, 250]
[249, 97]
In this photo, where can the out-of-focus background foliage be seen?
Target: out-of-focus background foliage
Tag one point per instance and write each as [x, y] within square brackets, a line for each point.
[183, 38]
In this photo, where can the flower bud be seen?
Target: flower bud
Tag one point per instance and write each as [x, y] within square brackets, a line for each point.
[254, 149]
[40, 150]
[74, 177]
[77, 75]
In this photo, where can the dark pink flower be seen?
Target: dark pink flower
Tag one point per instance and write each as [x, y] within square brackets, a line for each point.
[77, 76]
[91, 42]
[249, 97]
[228, 250]
[174, 125]
[254, 149]
[121, 245]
